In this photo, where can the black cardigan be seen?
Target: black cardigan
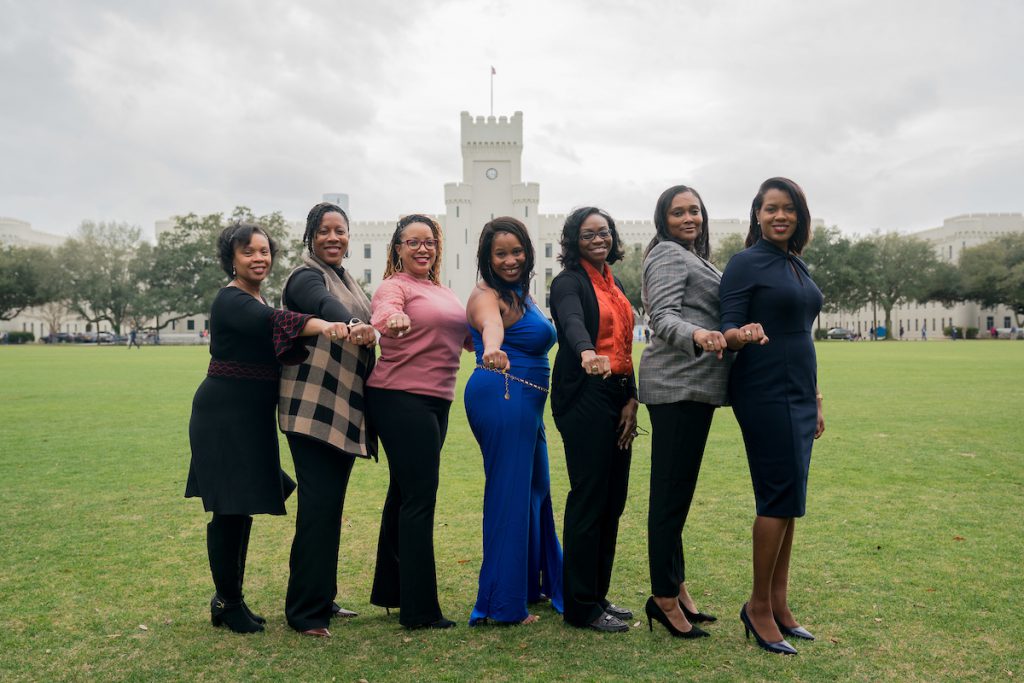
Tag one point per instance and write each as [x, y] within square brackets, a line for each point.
[576, 315]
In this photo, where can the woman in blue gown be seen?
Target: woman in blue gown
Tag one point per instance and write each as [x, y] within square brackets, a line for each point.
[505, 396]
[768, 305]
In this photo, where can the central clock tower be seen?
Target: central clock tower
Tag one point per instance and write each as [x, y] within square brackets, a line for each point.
[492, 149]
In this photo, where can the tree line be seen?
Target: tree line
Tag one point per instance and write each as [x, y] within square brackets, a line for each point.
[107, 273]
[885, 270]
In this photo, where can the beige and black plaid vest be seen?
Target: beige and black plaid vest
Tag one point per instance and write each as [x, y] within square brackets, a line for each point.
[323, 396]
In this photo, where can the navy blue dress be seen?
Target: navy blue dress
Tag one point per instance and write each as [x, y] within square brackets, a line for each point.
[522, 556]
[772, 387]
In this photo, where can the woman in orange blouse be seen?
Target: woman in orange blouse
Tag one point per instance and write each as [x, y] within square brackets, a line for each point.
[593, 401]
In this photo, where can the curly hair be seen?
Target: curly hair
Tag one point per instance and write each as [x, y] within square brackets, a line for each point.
[315, 217]
[394, 264]
[514, 294]
[802, 235]
[700, 246]
[569, 241]
[239, 234]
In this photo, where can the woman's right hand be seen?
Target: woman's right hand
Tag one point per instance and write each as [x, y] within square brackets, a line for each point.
[751, 333]
[397, 325]
[593, 364]
[495, 359]
[711, 341]
[334, 331]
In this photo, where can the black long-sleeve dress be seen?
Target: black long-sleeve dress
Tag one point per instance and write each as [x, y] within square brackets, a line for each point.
[236, 466]
[772, 387]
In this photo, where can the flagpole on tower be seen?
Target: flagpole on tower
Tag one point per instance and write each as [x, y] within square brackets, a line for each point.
[492, 90]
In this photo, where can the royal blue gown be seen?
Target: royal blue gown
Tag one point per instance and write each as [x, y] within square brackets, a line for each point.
[522, 556]
[772, 387]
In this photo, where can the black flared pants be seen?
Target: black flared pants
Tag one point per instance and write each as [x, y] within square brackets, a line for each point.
[412, 429]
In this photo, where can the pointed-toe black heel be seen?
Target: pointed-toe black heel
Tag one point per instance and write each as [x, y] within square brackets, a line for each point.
[234, 616]
[252, 615]
[654, 613]
[779, 648]
[797, 631]
[697, 617]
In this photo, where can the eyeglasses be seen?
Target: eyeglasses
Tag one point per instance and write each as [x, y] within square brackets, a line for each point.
[588, 236]
[415, 243]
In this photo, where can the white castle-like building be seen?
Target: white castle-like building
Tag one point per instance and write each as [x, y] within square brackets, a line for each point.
[492, 185]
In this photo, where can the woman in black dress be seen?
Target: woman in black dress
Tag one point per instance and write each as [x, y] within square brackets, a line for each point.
[767, 294]
[235, 466]
[321, 412]
[593, 401]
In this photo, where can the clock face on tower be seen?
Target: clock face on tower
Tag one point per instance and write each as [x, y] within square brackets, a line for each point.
[492, 173]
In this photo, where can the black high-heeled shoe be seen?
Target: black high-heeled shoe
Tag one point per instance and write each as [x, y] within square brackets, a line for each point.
[439, 624]
[696, 617]
[779, 648]
[797, 631]
[654, 613]
[233, 616]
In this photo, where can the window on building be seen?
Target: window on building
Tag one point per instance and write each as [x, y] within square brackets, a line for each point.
[547, 276]
[174, 325]
[527, 210]
[367, 276]
[547, 299]
[933, 324]
[990, 322]
[456, 262]
[1006, 321]
[206, 324]
[190, 325]
[367, 251]
[465, 236]
[547, 250]
[456, 210]
[950, 257]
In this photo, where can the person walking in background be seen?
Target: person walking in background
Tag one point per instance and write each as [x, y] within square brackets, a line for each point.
[133, 340]
[505, 397]
[683, 378]
[321, 412]
[593, 401]
[408, 396]
[235, 466]
[924, 331]
[768, 306]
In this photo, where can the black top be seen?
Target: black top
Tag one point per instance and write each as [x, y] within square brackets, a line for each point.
[577, 317]
[307, 292]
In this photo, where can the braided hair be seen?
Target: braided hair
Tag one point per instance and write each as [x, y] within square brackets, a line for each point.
[394, 264]
[315, 217]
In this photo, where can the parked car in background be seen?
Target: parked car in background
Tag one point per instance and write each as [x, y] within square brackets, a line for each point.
[840, 333]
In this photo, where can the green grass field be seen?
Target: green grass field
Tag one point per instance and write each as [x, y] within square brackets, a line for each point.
[908, 565]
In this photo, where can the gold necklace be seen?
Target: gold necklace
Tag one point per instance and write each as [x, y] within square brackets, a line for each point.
[513, 378]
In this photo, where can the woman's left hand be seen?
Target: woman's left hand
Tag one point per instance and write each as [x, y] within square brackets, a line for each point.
[820, 429]
[627, 424]
[362, 334]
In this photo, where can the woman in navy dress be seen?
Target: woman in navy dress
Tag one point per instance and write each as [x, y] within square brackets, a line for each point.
[768, 306]
[522, 562]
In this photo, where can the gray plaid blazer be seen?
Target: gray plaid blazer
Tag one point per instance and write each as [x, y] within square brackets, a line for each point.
[680, 294]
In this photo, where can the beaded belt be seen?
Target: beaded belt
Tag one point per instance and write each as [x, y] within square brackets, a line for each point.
[237, 370]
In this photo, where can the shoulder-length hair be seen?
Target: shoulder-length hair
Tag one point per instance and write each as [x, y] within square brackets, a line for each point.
[515, 294]
[700, 246]
[239, 234]
[315, 217]
[569, 241]
[394, 264]
[802, 235]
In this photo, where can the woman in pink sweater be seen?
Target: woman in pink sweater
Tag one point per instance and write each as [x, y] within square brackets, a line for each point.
[423, 331]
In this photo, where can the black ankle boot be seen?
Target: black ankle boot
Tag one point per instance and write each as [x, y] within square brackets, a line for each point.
[232, 615]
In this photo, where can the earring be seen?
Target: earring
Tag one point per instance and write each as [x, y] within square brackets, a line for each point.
[233, 273]
[398, 265]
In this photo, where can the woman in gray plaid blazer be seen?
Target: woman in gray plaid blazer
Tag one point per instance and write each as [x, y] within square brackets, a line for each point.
[684, 375]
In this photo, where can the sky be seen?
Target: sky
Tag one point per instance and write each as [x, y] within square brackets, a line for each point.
[891, 115]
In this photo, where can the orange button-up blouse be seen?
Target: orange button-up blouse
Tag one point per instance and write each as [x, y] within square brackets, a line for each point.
[615, 326]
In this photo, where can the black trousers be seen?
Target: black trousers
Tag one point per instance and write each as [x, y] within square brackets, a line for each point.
[679, 432]
[323, 474]
[412, 429]
[598, 481]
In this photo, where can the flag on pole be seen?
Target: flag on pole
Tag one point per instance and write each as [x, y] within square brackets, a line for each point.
[493, 72]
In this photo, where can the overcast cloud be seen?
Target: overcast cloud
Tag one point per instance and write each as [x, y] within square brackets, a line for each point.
[891, 115]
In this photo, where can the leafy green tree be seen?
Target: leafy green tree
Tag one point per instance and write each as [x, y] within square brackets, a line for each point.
[900, 269]
[630, 272]
[837, 264]
[993, 274]
[727, 247]
[23, 279]
[98, 266]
